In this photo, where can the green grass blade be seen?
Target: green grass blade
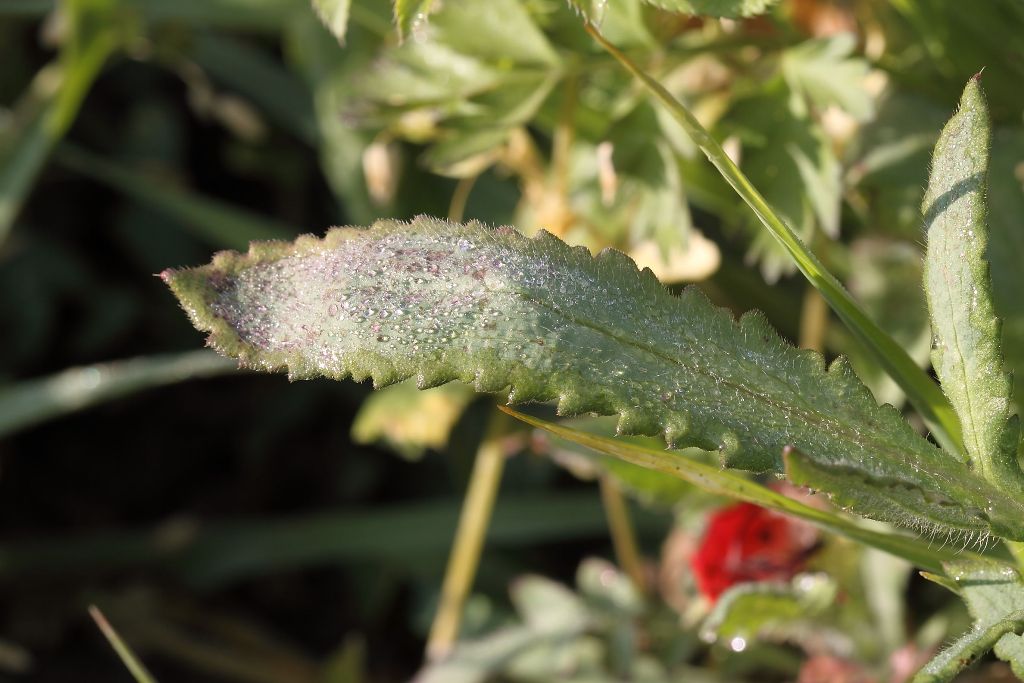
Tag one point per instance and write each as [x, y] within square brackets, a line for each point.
[131, 662]
[725, 483]
[33, 401]
[216, 222]
[217, 553]
[922, 392]
[967, 356]
[25, 148]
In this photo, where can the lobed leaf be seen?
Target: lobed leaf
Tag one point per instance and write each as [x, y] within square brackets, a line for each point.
[540, 321]
[966, 355]
[827, 73]
[794, 167]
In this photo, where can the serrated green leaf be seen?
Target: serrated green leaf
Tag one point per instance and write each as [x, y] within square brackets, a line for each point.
[719, 482]
[439, 301]
[410, 15]
[995, 598]
[850, 488]
[334, 15]
[756, 610]
[922, 392]
[716, 8]
[967, 355]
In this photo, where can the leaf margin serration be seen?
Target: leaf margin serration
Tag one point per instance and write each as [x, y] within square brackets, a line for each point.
[193, 287]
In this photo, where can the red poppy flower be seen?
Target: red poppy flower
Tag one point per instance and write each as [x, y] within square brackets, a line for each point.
[744, 543]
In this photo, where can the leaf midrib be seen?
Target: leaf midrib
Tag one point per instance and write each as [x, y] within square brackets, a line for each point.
[811, 416]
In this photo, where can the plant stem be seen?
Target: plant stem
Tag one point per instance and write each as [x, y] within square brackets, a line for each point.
[621, 528]
[561, 144]
[813, 321]
[922, 392]
[128, 658]
[1016, 549]
[465, 555]
[457, 206]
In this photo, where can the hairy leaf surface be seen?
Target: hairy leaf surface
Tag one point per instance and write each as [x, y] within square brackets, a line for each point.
[995, 598]
[967, 354]
[542, 321]
[721, 482]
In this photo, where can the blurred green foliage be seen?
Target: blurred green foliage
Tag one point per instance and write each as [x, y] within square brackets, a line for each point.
[230, 528]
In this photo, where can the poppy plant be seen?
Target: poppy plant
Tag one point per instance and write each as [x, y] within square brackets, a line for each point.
[744, 543]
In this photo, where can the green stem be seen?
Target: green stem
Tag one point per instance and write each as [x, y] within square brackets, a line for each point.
[465, 555]
[813, 321]
[460, 197]
[922, 392]
[1016, 549]
[621, 528]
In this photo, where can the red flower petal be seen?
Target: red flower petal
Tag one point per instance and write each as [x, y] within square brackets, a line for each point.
[744, 542]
